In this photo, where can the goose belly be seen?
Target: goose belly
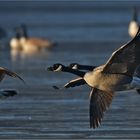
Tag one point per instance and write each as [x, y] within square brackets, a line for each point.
[107, 82]
[15, 44]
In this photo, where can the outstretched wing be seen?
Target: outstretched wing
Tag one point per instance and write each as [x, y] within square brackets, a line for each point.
[73, 83]
[125, 59]
[4, 71]
[99, 103]
[76, 82]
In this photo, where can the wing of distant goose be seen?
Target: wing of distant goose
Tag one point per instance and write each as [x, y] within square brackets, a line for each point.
[4, 71]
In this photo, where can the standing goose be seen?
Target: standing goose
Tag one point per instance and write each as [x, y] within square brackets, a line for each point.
[133, 25]
[116, 74]
[33, 43]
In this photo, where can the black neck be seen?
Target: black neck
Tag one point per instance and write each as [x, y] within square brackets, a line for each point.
[135, 16]
[86, 67]
[76, 72]
[23, 31]
[17, 35]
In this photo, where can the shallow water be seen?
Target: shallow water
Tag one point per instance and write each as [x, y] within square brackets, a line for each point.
[86, 33]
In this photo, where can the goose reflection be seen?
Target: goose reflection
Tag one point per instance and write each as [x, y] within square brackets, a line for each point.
[18, 55]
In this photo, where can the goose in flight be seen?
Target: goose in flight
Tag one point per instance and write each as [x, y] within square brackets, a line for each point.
[133, 25]
[79, 81]
[115, 75]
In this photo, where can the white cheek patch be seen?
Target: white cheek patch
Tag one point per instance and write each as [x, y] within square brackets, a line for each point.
[75, 67]
[59, 68]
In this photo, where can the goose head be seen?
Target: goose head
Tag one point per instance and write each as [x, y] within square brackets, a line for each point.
[74, 66]
[56, 67]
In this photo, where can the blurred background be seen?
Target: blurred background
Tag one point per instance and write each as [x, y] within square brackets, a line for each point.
[86, 32]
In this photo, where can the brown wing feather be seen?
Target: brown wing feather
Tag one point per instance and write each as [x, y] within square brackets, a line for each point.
[125, 59]
[12, 74]
[99, 103]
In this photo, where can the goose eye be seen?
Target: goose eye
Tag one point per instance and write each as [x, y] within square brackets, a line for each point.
[75, 66]
[71, 65]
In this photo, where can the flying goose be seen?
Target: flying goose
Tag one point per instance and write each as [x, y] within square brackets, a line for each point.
[33, 43]
[115, 75]
[133, 25]
[79, 81]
